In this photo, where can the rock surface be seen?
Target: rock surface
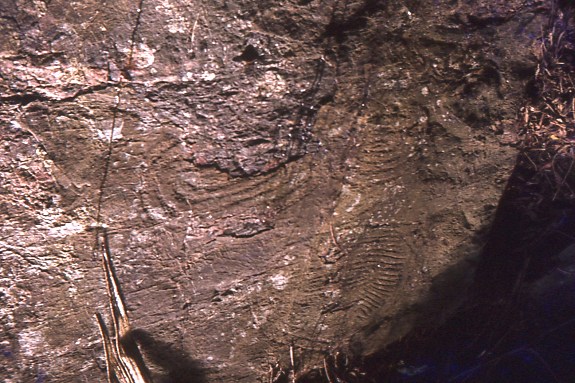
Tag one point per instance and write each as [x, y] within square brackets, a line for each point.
[280, 180]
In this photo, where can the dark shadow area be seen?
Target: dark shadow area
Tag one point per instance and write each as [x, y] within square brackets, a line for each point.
[341, 23]
[516, 322]
[520, 312]
[516, 319]
[177, 364]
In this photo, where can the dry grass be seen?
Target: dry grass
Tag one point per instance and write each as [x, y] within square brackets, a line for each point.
[548, 123]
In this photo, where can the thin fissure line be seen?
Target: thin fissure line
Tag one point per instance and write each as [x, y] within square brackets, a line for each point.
[134, 32]
[107, 163]
[115, 118]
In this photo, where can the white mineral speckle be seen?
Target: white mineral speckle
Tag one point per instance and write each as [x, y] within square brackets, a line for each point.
[105, 133]
[347, 190]
[208, 76]
[66, 230]
[272, 84]
[16, 125]
[143, 56]
[174, 20]
[30, 341]
[279, 281]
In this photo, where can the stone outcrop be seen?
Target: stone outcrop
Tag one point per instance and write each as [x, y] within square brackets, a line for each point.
[279, 180]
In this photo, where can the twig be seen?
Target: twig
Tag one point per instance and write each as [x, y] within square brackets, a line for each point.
[326, 371]
[124, 362]
[292, 364]
[194, 32]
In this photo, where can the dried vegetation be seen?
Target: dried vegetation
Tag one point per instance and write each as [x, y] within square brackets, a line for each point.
[547, 133]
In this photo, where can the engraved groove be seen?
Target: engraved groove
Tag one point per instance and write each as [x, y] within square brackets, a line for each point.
[375, 262]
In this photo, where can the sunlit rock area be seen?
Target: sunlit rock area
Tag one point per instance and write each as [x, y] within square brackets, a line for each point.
[290, 191]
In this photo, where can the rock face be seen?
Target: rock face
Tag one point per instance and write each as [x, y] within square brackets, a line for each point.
[280, 180]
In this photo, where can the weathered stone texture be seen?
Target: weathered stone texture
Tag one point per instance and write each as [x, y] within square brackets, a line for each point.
[274, 175]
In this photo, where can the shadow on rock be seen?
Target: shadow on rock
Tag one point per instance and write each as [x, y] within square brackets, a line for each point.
[177, 364]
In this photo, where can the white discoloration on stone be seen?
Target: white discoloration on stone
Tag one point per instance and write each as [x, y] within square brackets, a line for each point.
[355, 203]
[67, 229]
[156, 214]
[346, 191]
[30, 341]
[272, 84]
[175, 22]
[13, 297]
[104, 133]
[16, 125]
[56, 80]
[279, 281]
[40, 7]
[208, 76]
[143, 56]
